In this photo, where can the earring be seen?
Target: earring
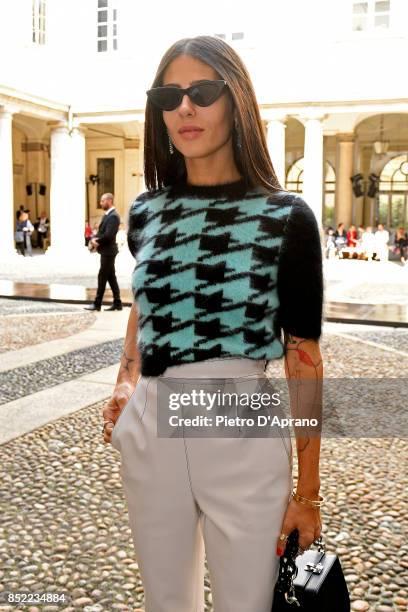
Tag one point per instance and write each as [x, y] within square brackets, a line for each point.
[171, 148]
[237, 133]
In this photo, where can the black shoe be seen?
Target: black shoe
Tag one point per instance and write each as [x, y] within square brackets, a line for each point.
[115, 307]
[92, 307]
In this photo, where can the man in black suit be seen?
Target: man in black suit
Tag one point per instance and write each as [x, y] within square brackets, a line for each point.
[105, 244]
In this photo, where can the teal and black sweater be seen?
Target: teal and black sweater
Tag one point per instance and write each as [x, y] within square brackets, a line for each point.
[220, 271]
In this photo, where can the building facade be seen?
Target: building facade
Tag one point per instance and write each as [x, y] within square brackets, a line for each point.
[331, 94]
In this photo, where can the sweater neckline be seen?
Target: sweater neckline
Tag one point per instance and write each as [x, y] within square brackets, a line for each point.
[230, 190]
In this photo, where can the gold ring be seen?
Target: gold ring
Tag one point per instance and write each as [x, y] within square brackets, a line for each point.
[105, 424]
[283, 537]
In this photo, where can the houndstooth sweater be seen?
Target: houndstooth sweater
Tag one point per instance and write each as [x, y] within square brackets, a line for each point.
[220, 271]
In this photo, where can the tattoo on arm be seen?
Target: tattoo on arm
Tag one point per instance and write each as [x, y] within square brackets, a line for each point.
[127, 361]
[298, 345]
[293, 344]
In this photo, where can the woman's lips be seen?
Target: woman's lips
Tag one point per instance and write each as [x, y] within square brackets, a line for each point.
[191, 134]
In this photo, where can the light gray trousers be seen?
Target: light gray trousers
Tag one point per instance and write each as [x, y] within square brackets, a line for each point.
[222, 497]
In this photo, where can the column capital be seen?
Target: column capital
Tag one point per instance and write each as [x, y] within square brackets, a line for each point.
[62, 127]
[8, 109]
[57, 125]
[345, 136]
[269, 114]
[313, 116]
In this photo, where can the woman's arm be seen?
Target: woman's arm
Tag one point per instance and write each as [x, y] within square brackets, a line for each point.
[303, 361]
[304, 372]
[127, 375]
[130, 360]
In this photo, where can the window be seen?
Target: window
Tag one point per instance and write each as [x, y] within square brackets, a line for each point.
[371, 15]
[106, 177]
[107, 27]
[231, 36]
[391, 208]
[294, 183]
[38, 10]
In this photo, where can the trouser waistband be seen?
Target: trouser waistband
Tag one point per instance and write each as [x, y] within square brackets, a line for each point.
[218, 368]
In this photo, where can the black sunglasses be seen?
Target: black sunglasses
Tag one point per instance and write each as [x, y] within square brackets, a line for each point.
[169, 97]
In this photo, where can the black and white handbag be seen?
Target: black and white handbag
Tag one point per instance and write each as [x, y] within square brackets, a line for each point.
[310, 582]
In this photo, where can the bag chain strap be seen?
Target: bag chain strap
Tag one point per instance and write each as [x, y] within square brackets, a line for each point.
[288, 569]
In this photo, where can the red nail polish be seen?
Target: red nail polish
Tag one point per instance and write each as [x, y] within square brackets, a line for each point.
[279, 551]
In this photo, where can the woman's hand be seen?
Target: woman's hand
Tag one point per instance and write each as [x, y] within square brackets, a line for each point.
[115, 405]
[306, 519]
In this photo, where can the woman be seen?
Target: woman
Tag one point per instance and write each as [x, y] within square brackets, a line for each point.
[24, 229]
[210, 303]
[352, 237]
[340, 238]
[42, 225]
[401, 243]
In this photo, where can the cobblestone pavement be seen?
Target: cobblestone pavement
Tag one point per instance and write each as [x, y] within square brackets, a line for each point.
[9, 306]
[395, 338]
[27, 322]
[64, 517]
[46, 373]
[377, 293]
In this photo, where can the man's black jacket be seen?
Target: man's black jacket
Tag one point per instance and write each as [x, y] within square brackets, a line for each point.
[106, 235]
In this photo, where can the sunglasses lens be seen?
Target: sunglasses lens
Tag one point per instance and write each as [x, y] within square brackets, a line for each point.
[169, 98]
[166, 98]
[205, 94]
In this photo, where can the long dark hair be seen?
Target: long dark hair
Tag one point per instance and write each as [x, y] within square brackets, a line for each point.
[252, 159]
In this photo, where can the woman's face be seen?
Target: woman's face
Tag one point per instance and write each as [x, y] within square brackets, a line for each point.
[215, 121]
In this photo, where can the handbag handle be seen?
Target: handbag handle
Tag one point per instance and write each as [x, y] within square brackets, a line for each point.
[288, 569]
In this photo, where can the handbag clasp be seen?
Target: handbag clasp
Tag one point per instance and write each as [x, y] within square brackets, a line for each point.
[315, 568]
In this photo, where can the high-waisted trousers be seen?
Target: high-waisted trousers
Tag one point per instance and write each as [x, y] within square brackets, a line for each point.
[222, 499]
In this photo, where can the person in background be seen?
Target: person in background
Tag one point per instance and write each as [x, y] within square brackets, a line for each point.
[24, 229]
[19, 211]
[352, 236]
[330, 249]
[340, 238]
[42, 224]
[105, 243]
[95, 229]
[381, 242]
[121, 236]
[360, 232]
[401, 243]
[88, 232]
[368, 242]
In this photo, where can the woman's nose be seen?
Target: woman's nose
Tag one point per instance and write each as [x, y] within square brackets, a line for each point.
[185, 105]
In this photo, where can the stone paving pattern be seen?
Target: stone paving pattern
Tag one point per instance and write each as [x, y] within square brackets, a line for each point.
[25, 322]
[65, 525]
[46, 373]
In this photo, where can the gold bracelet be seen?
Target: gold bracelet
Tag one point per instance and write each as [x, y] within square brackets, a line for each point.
[313, 503]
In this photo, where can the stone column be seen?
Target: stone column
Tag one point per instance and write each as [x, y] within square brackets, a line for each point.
[67, 194]
[275, 136]
[344, 171]
[313, 174]
[131, 174]
[7, 225]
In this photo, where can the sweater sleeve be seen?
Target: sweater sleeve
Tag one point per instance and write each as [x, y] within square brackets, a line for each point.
[300, 274]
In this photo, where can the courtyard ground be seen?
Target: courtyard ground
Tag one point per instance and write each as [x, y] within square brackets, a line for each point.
[64, 518]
